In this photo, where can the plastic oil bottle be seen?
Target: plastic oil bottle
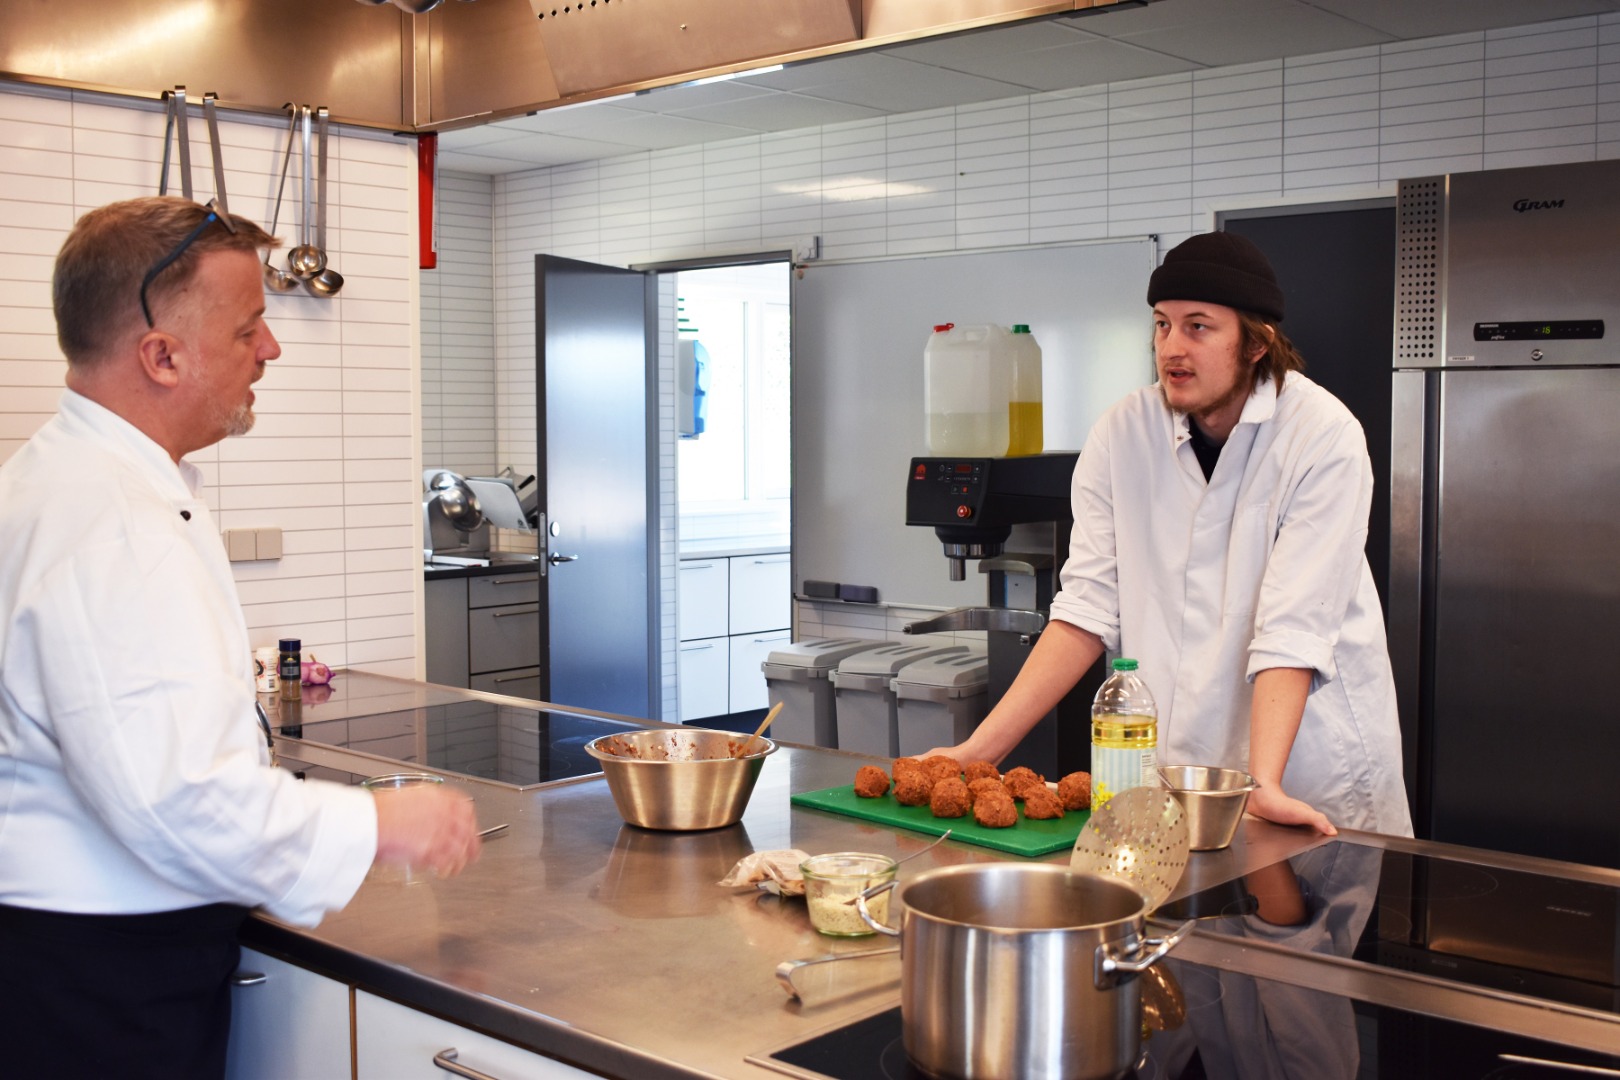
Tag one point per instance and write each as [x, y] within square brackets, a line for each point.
[1124, 735]
[1024, 419]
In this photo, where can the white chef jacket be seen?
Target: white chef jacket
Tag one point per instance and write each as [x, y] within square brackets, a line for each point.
[134, 776]
[1263, 566]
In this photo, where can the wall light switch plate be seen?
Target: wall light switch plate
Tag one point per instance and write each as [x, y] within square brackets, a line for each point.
[267, 543]
[239, 545]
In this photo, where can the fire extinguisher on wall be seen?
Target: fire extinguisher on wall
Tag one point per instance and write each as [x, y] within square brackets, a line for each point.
[427, 194]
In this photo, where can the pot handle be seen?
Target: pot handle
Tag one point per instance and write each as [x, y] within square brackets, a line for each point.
[860, 905]
[788, 968]
[1113, 963]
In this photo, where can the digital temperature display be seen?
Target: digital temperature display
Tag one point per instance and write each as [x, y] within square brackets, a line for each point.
[1552, 330]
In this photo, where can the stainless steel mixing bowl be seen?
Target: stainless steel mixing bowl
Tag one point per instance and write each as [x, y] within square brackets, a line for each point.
[680, 778]
[1213, 799]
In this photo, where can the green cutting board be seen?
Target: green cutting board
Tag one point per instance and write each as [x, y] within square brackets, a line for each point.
[1025, 838]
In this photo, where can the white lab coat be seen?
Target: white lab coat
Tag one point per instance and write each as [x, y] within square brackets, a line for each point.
[1207, 584]
[133, 774]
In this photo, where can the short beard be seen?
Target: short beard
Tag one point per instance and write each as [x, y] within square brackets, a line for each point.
[239, 421]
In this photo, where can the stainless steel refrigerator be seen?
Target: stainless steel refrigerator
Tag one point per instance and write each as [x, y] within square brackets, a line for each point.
[1504, 605]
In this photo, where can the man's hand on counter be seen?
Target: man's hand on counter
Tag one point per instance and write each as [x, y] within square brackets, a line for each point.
[426, 828]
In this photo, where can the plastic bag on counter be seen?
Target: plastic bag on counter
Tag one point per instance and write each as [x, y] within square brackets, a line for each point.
[774, 871]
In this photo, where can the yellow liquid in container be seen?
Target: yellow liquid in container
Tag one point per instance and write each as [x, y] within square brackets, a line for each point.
[1124, 755]
[1025, 422]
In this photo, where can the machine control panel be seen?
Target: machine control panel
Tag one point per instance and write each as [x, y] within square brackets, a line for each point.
[1545, 330]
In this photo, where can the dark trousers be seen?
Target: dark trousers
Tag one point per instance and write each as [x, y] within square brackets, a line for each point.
[117, 997]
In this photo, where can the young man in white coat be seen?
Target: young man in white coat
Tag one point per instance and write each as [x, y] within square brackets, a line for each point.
[1220, 521]
[140, 817]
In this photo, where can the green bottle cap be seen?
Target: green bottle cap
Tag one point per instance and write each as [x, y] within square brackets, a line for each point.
[1124, 664]
[1020, 328]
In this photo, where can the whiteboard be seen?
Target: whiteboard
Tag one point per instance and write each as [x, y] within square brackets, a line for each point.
[859, 330]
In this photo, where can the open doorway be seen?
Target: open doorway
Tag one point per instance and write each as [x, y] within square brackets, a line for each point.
[732, 484]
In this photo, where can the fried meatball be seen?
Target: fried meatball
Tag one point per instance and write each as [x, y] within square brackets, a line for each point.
[978, 787]
[941, 767]
[1041, 805]
[950, 798]
[1020, 780]
[978, 770]
[912, 787]
[871, 782]
[901, 763]
[1074, 791]
[995, 810]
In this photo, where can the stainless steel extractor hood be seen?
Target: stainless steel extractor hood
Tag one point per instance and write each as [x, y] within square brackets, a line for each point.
[597, 44]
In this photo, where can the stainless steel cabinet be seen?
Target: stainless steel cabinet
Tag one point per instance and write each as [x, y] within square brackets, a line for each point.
[286, 1021]
[395, 1042]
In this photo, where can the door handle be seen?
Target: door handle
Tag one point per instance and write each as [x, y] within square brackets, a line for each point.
[555, 559]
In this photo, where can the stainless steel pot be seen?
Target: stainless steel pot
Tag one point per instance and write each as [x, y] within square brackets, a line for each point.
[1022, 969]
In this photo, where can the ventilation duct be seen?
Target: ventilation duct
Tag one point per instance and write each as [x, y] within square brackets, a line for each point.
[600, 44]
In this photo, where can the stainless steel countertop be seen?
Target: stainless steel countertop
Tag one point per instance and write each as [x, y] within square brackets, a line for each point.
[614, 949]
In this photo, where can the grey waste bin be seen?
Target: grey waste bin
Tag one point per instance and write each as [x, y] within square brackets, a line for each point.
[938, 702]
[796, 676]
[863, 697]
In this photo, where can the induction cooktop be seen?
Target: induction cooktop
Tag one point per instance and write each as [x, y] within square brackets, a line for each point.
[1520, 947]
[504, 743]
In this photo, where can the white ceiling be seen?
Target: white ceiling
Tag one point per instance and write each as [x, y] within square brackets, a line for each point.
[1112, 45]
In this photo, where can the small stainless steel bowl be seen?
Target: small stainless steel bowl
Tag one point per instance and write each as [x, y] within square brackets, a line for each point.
[1213, 799]
[680, 778]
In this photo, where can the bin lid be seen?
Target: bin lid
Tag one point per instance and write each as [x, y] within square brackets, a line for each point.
[820, 654]
[963, 670]
[888, 659]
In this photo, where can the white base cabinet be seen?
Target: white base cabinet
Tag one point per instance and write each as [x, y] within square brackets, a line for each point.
[395, 1042]
[733, 610]
[292, 1025]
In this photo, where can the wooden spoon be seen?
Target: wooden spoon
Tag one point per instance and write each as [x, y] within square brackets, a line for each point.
[742, 750]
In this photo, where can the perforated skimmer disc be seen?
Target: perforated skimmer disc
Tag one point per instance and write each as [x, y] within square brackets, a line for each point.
[1139, 836]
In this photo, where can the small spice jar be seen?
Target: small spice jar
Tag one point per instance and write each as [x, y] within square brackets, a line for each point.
[831, 884]
[265, 665]
[290, 668]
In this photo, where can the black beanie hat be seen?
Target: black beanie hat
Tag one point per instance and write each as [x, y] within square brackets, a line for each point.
[1220, 268]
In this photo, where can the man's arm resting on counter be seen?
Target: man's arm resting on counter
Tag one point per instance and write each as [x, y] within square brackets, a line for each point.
[1063, 654]
[1279, 704]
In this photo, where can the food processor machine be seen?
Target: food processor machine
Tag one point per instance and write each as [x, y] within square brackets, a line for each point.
[973, 503]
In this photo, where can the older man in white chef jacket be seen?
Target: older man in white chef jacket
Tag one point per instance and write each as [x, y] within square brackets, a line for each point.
[140, 818]
[1220, 521]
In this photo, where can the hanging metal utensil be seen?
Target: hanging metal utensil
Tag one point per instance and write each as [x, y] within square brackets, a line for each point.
[168, 140]
[327, 281]
[184, 141]
[220, 202]
[305, 260]
[277, 280]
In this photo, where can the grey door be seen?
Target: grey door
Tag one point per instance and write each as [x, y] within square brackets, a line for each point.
[593, 356]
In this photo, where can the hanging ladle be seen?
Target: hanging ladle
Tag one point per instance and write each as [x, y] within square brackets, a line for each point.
[326, 281]
[277, 280]
[306, 260]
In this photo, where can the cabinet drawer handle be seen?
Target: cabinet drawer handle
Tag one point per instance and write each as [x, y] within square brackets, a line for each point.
[446, 1060]
[697, 566]
[772, 562]
[696, 648]
[527, 579]
[516, 678]
[767, 640]
[509, 614]
[248, 978]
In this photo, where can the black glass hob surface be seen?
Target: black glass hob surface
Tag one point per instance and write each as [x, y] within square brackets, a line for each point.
[1533, 935]
[510, 744]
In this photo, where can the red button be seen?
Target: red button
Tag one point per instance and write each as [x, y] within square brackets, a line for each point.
[921, 472]
[964, 511]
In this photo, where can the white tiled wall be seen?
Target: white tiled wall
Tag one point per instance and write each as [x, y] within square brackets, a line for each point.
[1151, 156]
[458, 333]
[333, 459]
